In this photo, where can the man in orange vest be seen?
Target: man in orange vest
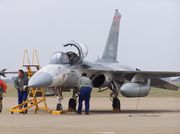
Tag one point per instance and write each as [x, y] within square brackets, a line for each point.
[3, 88]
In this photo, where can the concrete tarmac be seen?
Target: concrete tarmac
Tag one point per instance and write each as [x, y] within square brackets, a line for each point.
[143, 116]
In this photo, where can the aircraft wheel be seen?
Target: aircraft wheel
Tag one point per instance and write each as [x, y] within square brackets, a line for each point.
[72, 105]
[59, 107]
[116, 105]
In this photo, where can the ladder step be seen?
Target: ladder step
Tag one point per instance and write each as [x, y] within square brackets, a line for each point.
[31, 66]
[31, 102]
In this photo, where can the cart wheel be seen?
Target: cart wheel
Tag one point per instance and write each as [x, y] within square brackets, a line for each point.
[12, 112]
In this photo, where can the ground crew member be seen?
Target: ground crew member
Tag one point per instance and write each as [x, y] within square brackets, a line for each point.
[85, 88]
[20, 84]
[3, 88]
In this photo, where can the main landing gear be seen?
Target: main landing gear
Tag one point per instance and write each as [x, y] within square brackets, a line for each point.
[114, 97]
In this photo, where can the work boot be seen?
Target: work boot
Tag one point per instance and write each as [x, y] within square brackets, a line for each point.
[78, 112]
[25, 112]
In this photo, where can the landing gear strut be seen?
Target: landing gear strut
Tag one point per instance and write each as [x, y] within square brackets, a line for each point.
[58, 93]
[114, 97]
[73, 101]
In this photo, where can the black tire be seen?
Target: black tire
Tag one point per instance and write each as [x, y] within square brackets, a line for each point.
[1, 98]
[72, 105]
[1, 106]
[116, 105]
[59, 107]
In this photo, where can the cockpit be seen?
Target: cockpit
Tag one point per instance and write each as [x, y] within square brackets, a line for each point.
[70, 57]
[64, 58]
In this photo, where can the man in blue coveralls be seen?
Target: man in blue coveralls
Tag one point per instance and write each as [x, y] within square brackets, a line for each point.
[85, 86]
[20, 84]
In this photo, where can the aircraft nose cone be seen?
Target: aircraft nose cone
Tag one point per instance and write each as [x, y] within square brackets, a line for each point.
[41, 79]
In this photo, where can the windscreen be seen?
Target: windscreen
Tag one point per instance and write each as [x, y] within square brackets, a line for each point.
[59, 58]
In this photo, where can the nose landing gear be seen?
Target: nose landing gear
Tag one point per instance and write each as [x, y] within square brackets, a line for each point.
[59, 107]
[58, 93]
[73, 101]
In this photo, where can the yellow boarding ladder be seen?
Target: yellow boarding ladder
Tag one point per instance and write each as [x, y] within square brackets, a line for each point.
[35, 95]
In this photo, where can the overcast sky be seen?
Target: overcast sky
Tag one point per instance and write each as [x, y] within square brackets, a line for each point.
[149, 30]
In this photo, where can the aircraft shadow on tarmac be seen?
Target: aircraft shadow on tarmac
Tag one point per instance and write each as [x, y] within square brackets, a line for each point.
[153, 111]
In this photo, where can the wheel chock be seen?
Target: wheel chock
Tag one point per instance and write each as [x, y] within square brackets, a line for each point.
[55, 112]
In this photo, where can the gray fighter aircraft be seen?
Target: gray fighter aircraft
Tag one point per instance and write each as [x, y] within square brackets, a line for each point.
[65, 68]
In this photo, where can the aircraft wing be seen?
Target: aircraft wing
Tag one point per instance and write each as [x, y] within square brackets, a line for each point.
[3, 72]
[150, 74]
[145, 74]
[159, 83]
[155, 76]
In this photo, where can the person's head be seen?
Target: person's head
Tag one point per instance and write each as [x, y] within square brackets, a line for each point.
[21, 73]
[84, 74]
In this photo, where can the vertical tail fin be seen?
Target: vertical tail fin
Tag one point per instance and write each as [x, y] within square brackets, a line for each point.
[111, 48]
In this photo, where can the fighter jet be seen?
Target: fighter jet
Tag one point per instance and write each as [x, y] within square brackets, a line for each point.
[65, 68]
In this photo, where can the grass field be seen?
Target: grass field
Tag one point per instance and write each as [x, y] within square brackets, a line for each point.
[11, 92]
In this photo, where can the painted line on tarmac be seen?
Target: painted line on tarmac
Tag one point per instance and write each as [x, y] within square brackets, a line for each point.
[103, 132]
[12, 125]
